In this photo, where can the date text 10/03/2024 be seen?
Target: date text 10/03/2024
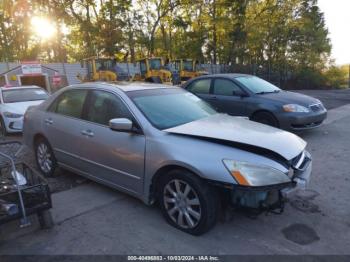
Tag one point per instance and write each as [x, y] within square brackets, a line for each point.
[173, 258]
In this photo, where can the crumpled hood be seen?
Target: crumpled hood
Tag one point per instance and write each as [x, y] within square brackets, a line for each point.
[244, 131]
[20, 107]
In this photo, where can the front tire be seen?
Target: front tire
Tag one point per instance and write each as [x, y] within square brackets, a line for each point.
[187, 202]
[154, 79]
[45, 157]
[3, 131]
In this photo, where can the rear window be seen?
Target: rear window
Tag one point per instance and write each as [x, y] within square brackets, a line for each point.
[200, 86]
[70, 103]
[23, 95]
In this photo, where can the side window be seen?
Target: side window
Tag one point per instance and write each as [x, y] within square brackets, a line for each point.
[104, 106]
[226, 87]
[200, 86]
[69, 103]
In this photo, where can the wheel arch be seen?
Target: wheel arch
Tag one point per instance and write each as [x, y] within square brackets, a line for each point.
[37, 136]
[267, 112]
[163, 170]
[261, 110]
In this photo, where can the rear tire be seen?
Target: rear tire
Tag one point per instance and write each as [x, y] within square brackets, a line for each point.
[265, 118]
[45, 158]
[187, 202]
[154, 79]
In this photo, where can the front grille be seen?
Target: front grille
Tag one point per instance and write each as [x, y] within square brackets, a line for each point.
[310, 125]
[299, 162]
[316, 107]
[297, 159]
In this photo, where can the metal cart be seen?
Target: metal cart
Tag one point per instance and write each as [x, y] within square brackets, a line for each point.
[23, 191]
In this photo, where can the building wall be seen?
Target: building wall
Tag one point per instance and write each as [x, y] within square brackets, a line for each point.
[7, 66]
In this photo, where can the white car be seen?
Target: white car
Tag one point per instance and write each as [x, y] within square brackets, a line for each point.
[14, 102]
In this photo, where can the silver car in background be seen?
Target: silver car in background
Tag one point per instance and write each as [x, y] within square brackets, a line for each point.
[14, 101]
[163, 144]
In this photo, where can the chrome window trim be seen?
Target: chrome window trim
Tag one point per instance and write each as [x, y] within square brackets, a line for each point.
[93, 89]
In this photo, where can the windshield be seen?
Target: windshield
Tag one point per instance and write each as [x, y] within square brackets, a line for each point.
[23, 94]
[155, 64]
[104, 64]
[257, 85]
[188, 66]
[171, 107]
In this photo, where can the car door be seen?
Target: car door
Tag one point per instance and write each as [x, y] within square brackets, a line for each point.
[111, 157]
[61, 125]
[201, 88]
[227, 97]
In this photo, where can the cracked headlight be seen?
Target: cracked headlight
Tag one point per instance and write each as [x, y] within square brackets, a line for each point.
[247, 174]
[295, 108]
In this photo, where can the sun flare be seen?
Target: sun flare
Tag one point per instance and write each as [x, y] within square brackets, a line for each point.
[43, 27]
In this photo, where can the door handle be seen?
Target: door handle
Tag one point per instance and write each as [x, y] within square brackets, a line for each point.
[87, 133]
[213, 98]
[48, 121]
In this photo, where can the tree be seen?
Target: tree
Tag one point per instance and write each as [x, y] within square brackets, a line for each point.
[280, 40]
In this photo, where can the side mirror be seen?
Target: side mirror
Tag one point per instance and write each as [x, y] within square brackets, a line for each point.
[121, 124]
[242, 95]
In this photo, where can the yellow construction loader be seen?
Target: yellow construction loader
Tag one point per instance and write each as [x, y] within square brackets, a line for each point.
[104, 69]
[153, 70]
[187, 69]
[100, 69]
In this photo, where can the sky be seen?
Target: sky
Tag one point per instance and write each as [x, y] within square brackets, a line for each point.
[337, 16]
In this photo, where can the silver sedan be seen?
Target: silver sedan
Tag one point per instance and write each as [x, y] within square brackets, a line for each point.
[163, 144]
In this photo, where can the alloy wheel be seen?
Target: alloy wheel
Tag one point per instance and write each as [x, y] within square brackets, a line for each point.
[182, 203]
[44, 158]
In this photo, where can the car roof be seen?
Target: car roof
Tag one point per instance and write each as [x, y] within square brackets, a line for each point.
[18, 87]
[228, 75]
[125, 86]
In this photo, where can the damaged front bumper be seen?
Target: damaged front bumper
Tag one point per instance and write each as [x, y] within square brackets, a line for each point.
[271, 198]
[301, 176]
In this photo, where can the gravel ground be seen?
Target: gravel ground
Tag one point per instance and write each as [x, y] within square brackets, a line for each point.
[62, 180]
